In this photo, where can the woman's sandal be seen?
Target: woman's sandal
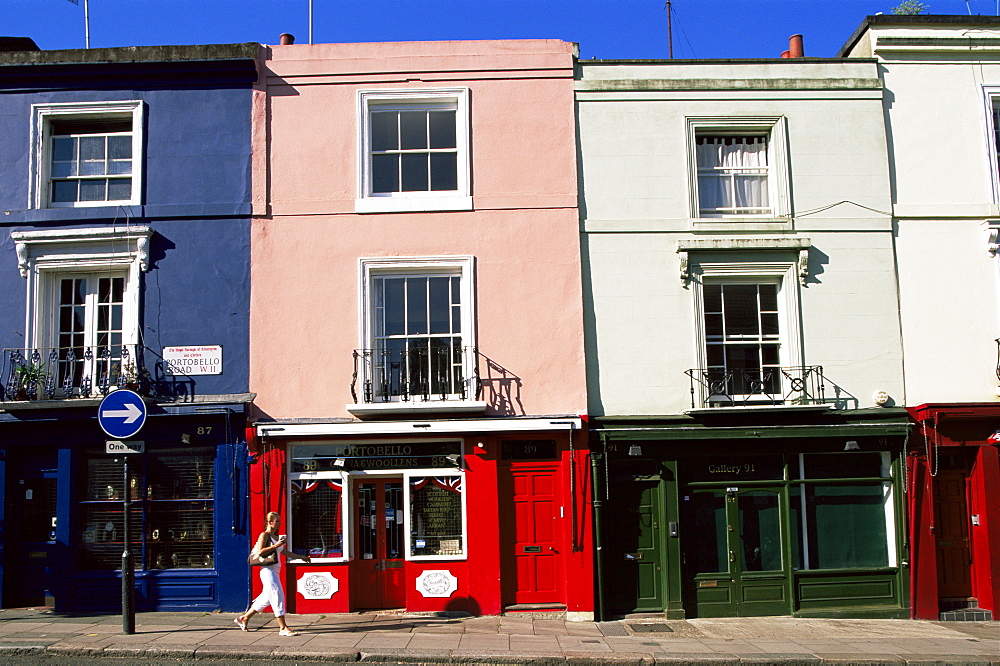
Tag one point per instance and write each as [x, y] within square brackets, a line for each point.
[241, 623]
[288, 632]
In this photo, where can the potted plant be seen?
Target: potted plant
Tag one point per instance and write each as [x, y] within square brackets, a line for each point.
[30, 379]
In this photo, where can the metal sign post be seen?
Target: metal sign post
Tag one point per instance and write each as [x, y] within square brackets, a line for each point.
[122, 414]
[128, 574]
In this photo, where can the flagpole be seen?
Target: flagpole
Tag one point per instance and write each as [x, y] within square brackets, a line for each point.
[86, 21]
[310, 21]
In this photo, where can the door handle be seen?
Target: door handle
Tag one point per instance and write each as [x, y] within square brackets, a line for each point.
[732, 556]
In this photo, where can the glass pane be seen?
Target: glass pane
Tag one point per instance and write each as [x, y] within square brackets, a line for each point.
[385, 135]
[120, 147]
[415, 176]
[769, 325]
[64, 149]
[317, 519]
[119, 189]
[179, 535]
[444, 171]
[385, 173]
[768, 297]
[64, 191]
[740, 307]
[847, 526]
[416, 306]
[442, 128]
[713, 326]
[392, 513]
[92, 148]
[439, 304]
[712, 295]
[436, 515]
[713, 192]
[760, 531]
[711, 527]
[120, 167]
[92, 190]
[413, 130]
[395, 311]
[367, 522]
[456, 305]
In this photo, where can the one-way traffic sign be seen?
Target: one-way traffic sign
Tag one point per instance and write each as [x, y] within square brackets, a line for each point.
[122, 414]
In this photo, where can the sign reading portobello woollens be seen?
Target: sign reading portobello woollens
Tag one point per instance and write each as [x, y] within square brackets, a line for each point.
[348, 457]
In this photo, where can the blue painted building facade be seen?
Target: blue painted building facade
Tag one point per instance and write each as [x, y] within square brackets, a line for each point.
[124, 263]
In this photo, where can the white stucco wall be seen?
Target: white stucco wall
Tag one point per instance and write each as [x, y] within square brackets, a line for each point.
[937, 113]
[635, 170]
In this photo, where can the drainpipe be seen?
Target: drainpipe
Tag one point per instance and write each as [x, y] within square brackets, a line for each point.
[595, 459]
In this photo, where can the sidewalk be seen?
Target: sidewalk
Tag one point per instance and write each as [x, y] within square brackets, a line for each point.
[27, 634]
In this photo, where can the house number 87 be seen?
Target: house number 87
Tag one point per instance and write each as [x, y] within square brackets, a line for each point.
[204, 430]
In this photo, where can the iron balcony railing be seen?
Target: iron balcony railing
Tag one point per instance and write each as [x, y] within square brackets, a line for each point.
[54, 373]
[424, 373]
[802, 385]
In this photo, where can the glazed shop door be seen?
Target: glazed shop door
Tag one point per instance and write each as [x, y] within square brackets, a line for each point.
[533, 549]
[735, 555]
[377, 574]
[31, 555]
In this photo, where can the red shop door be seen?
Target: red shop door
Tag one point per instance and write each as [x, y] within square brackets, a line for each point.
[534, 554]
[377, 574]
[953, 552]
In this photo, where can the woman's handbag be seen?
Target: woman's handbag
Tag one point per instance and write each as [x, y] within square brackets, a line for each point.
[255, 560]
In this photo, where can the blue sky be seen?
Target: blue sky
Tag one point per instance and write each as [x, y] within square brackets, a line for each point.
[603, 28]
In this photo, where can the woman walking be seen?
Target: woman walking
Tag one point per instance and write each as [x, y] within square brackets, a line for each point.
[270, 543]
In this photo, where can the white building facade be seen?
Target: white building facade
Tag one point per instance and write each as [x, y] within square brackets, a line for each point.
[745, 365]
[941, 106]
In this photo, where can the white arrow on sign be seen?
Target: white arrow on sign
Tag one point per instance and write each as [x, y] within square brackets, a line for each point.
[130, 413]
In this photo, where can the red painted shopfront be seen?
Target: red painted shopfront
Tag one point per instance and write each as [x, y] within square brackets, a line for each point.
[478, 516]
[953, 496]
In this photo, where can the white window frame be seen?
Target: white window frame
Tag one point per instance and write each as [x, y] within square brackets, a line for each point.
[42, 116]
[777, 157]
[46, 256]
[346, 508]
[782, 273]
[460, 266]
[412, 473]
[458, 199]
[991, 100]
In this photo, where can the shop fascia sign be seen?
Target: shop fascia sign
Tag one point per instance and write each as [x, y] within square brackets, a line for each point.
[189, 360]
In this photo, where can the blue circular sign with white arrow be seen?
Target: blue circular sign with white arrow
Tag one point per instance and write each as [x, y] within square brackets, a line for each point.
[122, 414]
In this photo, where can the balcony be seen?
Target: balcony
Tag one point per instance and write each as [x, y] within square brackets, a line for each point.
[424, 379]
[803, 386]
[58, 373]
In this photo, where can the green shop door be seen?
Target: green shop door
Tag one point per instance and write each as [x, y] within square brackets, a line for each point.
[633, 570]
[734, 551]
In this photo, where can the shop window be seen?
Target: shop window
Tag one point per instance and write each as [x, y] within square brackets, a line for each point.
[172, 510]
[436, 516]
[317, 525]
[848, 523]
[414, 148]
[87, 154]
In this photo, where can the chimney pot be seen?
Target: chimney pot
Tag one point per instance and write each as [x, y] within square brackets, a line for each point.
[286, 39]
[795, 49]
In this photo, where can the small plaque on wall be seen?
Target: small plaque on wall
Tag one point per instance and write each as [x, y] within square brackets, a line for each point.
[528, 449]
[318, 585]
[437, 583]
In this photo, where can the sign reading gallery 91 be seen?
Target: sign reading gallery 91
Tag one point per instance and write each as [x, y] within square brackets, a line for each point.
[193, 360]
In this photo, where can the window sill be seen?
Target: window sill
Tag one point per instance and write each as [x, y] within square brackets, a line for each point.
[414, 204]
[375, 409]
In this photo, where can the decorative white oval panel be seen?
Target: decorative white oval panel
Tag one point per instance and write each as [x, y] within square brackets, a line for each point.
[437, 583]
[318, 585]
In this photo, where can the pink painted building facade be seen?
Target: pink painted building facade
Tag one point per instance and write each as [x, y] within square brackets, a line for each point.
[417, 326]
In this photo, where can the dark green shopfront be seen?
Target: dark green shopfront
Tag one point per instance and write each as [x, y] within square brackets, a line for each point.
[751, 512]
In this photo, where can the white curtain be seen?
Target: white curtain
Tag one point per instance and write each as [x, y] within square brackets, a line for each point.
[732, 174]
